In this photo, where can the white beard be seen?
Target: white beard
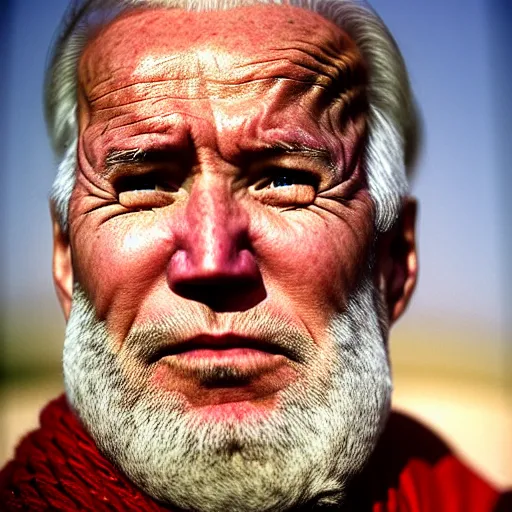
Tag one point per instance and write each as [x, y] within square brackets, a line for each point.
[314, 441]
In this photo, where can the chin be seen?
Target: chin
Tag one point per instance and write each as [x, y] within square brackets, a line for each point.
[273, 448]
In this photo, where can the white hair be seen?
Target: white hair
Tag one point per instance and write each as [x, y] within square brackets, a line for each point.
[393, 127]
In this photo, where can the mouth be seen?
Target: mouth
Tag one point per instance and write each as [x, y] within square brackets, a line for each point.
[226, 360]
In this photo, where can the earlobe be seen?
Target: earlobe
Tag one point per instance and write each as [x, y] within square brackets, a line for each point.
[396, 261]
[62, 268]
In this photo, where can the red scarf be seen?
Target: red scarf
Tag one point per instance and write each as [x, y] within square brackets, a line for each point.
[58, 467]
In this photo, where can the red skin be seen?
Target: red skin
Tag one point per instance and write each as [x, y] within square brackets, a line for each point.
[215, 96]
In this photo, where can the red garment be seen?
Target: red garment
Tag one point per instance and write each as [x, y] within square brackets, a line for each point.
[412, 470]
[58, 467]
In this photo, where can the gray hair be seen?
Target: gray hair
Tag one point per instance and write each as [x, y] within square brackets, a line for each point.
[393, 126]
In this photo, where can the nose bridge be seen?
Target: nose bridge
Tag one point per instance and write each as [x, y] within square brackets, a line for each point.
[214, 223]
[214, 262]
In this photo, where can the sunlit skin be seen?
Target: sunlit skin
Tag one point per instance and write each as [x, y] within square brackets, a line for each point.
[220, 174]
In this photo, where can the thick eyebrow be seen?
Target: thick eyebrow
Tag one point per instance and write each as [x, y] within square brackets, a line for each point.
[284, 148]
[117, 158]
[136, 156]
[124, 156]
[300, 148]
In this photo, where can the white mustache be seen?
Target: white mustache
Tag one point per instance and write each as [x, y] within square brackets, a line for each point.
[259, 326]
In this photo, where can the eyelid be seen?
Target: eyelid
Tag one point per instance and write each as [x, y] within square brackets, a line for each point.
[306, 178]
[131, 178]
[313, 165]
[117, 160]
[145, 199]
[294, 196]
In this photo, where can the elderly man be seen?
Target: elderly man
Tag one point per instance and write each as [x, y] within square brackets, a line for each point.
[232, 240]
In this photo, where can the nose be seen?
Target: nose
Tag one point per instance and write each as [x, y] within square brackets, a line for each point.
[214, 262]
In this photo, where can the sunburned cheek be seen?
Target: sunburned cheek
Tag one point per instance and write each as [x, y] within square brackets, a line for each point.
[124, 267]
[324, 278]
[309, 268]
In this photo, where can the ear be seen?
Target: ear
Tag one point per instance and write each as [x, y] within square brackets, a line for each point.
[62, 267]
[396, 261]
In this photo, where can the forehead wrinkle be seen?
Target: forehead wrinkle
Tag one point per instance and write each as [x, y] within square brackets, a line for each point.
[328, 61]
[344, 68]
[210, 55]
[153, 99]
[178, 90]
[93, 99]
[256, 74]
[133, 75]
[220, 66]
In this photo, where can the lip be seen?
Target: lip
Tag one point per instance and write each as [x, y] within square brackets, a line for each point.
[215, 370]
[220, 349]
[227, 358]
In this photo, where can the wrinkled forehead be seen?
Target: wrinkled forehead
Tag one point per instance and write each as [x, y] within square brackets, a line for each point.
[244, 43]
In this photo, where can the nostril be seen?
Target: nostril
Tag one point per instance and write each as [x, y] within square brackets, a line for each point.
[223, 284]
[223, 294]
[186, 266]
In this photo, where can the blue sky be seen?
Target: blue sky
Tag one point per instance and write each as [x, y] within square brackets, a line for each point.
[447, 46]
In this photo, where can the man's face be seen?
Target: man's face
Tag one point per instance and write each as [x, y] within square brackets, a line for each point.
[220, 230]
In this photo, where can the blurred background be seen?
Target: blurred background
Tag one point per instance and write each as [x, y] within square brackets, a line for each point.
[450, 353]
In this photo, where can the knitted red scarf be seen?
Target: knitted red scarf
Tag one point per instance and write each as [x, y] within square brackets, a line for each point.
[58, 467]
